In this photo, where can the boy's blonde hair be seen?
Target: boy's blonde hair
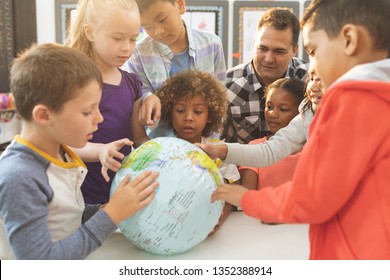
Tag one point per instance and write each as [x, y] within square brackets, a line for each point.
[184, 86]
[89, 13]
[49, 74]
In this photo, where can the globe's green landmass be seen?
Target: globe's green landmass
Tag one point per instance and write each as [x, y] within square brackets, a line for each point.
[142, 157]
[207, 163]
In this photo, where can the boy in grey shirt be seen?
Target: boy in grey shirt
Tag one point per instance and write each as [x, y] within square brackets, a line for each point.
[42, 214]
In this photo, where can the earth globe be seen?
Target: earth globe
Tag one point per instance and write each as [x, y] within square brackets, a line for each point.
[180, 215]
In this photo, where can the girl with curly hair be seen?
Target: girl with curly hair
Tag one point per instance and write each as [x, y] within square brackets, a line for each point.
[193, 104]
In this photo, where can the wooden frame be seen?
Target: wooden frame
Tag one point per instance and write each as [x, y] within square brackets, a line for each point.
[209, 15]
[246, 16]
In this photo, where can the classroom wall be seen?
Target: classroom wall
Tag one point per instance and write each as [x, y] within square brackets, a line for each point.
[46, 24]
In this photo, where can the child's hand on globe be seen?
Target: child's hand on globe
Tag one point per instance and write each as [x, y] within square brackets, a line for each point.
[131, 196]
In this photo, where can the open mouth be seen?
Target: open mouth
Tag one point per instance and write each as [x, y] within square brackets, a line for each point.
[188, 129]
[315, 99]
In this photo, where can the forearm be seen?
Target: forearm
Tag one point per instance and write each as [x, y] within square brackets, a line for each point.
[137, 129]
[249, 178]
[32, 237]
[285, 142]
[90, 152]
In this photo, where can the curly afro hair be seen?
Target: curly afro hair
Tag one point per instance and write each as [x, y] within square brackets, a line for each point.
[184, 86]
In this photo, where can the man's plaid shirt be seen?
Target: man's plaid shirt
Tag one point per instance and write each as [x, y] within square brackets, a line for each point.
[245, 119]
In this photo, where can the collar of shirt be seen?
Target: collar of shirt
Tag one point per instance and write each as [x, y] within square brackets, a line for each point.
[252, 78]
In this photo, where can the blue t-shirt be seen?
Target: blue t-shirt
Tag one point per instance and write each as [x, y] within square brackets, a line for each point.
[180, 62]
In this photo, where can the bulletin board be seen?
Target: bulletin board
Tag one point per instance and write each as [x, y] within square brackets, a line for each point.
[6, 43]
[246, 17]
[18, 31]
[211, 16]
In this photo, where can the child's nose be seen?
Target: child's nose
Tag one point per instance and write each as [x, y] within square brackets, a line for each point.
[126, 46]
[274, 114]
[99, 117]
[188, 116]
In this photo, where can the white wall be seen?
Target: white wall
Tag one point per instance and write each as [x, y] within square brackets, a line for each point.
[46, 23]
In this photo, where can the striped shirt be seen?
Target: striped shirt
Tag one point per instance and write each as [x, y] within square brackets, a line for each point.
[152, 61]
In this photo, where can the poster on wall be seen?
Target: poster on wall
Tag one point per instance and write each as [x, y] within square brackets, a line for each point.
[209, 15]
[246, 17]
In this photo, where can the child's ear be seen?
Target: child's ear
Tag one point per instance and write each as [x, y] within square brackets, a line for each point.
[88, 32]
[351, 38]
[295, 50]
[182, 6]
[41, 114]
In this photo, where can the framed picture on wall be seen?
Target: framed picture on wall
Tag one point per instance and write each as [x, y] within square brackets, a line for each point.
[246, 17]
[63, 14]
[209, 15]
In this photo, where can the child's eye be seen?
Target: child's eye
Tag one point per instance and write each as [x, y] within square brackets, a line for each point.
[87, 113]
[198, 112]
[162, 20]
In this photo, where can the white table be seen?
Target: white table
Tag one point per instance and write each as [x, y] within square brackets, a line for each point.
[239, 238]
